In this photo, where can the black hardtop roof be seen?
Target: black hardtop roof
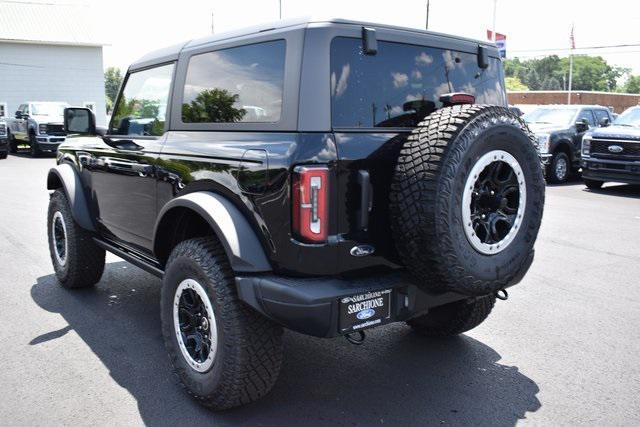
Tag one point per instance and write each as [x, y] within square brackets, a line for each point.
[171, 53]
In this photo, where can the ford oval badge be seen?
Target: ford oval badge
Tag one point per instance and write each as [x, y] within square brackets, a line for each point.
[365, 314]
[362, 250]
[615, 149]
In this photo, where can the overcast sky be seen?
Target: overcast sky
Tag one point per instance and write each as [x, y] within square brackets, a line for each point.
[134, 27]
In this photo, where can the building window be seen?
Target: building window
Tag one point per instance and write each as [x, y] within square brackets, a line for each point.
[240, 84]
[90, 105]
[3, 109]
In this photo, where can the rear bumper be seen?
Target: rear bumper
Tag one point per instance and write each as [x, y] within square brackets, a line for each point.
[311, 305]
[611, 170]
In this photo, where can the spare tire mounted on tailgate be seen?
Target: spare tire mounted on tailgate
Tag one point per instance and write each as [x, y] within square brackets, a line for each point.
[466, 200]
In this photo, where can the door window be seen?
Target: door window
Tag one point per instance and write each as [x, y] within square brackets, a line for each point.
[601, 114]
[142, 105]
[240, 84]
[588, 115]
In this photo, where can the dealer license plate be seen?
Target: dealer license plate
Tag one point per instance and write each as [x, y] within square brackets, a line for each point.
[364, 310]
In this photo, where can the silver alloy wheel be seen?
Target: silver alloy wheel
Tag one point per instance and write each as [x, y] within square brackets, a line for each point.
[197, 327]
[561, 168]
[59, 238]
[493, 202]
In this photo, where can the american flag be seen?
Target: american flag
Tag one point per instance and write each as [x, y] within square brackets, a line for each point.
[572, 39]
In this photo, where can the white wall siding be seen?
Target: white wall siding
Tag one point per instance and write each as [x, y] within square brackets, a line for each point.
[39, 72]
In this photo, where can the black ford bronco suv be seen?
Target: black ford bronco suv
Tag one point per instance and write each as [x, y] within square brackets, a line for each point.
[327, 177]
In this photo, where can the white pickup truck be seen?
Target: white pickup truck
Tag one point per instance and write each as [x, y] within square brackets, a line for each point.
[37, 124]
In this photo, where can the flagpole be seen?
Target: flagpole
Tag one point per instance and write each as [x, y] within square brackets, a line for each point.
[495, 7]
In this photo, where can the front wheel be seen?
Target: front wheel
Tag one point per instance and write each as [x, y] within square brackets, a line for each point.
[592, 184]
[558, 170]
[454, 318]
[224, 353]
[35, 148]
[77, 261]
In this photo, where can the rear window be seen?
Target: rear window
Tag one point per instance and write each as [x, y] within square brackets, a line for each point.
[402, 83]
[240, 84]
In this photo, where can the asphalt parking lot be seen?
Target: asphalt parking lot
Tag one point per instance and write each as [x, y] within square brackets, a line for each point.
[565, 348]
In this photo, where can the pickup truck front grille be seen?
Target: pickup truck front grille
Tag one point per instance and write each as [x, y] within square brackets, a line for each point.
[56, 130]
[630, 149]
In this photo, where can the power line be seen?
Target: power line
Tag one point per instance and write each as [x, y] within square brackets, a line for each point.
[579, 48]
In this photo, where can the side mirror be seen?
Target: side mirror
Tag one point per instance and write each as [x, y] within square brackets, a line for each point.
[79, 120]
[18, 114]
[582, 125]
[604, 122]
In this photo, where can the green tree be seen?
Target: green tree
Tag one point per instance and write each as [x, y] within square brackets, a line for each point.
[551, 83]
[213, 106]
[632, 85]
[514, 84]
[112, 82]
[533, 80]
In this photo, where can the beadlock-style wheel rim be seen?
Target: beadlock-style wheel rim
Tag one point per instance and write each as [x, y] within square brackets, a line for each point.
[493, 202]
[195, 325]
[59, 238]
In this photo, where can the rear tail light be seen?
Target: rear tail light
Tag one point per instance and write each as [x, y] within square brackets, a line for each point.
[310, 203]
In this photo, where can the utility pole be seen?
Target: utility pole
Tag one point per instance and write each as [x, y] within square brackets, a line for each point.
[211, 22]
[279, 9]
[573, 46]
[426, 24]
[495, 7]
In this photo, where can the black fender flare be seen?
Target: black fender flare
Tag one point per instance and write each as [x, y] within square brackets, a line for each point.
[65, 176]
[561, 143]
[239, 240]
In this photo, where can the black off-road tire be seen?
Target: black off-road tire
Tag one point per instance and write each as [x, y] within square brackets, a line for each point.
[454, 318]
[249, 349]
[33, 146]
[84, 263]
[592, 184]
[426, 199]
[552, 175]
[13, 145]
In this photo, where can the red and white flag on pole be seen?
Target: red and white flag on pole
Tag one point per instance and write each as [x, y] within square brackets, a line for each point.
[572, 39]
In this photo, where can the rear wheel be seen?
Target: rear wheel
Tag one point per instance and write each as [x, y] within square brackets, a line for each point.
[558, 169]
[224, 353]
[592, 184]
[35, 148]
[78, 262]
[466, 200]
[454, 318]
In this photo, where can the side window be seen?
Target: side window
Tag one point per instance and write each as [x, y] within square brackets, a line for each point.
[25, 109]
[240, 84]
[601, 114]
[21, 108]
[142, 106]
[587, 114]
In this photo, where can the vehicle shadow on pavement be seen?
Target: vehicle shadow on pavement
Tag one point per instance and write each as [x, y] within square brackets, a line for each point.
[620, 190]
[395, 377]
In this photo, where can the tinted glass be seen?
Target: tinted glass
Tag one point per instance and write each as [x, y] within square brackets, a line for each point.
[601, 114]
[587, 114]
[142, 106]
[241, 84]
[402, 83]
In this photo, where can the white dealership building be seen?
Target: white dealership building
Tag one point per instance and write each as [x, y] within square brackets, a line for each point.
[50, 52]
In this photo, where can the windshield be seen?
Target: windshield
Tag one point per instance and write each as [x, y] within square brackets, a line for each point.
[631, 117]
[48, 108]
[553, 116]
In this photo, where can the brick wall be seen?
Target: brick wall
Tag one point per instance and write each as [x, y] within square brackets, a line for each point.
[619, 101]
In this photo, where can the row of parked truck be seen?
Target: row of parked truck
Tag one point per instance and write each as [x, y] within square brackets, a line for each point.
[569, 138]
